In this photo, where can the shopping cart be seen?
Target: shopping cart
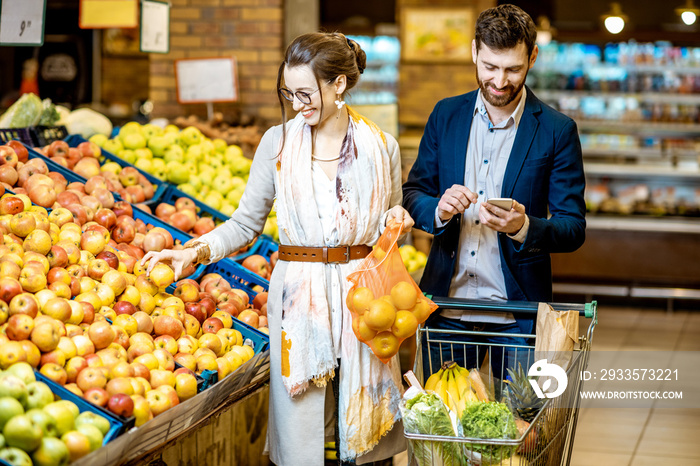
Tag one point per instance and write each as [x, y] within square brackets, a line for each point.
[548, 440]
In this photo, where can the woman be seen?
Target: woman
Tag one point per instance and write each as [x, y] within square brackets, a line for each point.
[336, 179]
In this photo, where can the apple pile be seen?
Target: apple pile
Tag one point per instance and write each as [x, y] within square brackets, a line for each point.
[84, 160]
[208, 170]
[259, 265]
[213, 302]
[38, 430]
[384, 322]
[413, 259]
[183, 216]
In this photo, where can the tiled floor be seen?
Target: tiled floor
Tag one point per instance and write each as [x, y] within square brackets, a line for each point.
[641, 436]
[650, 436]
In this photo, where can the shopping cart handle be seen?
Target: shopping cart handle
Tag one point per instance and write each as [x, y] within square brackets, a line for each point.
[516, 307]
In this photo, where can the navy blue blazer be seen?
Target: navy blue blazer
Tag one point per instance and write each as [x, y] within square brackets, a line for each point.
[544, 173]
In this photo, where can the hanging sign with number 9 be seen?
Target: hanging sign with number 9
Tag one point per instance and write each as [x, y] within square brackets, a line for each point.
[22, 22]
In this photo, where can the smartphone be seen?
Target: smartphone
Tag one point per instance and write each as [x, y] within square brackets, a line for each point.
[505, 203]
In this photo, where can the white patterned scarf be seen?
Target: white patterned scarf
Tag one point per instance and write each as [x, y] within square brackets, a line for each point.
[369, 389]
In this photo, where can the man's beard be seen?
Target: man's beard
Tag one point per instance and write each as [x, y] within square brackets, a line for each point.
[511, 92]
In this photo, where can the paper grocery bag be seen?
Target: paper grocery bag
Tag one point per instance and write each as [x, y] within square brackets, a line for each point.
[556, 335]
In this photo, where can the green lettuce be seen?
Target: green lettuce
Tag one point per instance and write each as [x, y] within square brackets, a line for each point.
[489, 420]
[23, 113]
[426, 413]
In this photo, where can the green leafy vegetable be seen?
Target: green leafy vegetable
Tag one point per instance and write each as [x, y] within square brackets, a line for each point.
[23, 113]
[426, 414]
[487, 420]
[49, 114]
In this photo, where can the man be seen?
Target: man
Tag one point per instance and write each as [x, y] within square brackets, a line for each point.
[497, 141]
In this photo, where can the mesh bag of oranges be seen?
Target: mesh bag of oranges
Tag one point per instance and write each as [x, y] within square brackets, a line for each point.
[386, 304]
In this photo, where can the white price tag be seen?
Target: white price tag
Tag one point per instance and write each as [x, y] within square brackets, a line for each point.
[155, 26]
[22, 22]
[206, 80]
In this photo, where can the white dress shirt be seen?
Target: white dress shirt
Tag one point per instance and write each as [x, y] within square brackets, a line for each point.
[478, 273]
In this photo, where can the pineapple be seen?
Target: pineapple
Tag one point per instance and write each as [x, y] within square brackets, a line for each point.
[521, 397]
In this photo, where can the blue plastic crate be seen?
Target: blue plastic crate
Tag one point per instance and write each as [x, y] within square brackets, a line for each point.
[118, 424]
[34, 136]
[237, 276]
[161, 186]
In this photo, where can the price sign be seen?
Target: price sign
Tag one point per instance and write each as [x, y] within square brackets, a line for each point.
[22, 22]
[103, 14]
[155, 26]
[203, 80]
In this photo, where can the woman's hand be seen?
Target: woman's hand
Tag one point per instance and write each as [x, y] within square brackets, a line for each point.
[178, 259]
[400, 215]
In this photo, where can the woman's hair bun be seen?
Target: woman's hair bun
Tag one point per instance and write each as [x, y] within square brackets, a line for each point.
[360, 56]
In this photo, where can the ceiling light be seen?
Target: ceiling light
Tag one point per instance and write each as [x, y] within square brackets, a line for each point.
[614, 20]
[545, 31]
[688, 13]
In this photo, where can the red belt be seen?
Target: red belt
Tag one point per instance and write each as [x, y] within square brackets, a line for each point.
[324, 254]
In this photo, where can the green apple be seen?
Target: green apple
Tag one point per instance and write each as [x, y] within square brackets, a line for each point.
[158, 145]
[45, 421]
[217, 163]
[160, 173]
[38, 395]
[174, 153]
[71, 406]
[133, 141]
[195, 153]
[172, 129]
[172, 138]
[22, 371]
[62, 414]
[127, 155]
[149, 130]
[15, 457]
[113, 146]
[13, 386]
[51, 452]
[238, 182]
[234, 197]
[177, 173]
[191, 135]
[222, 184]
[240, 166]
[144, 164]
[195, 181]
[131, 127]
[206, 173]
[112, 167]
[158, 164]
[98, 139]
[144, 153]
[214, 199]
[93, 434]
[188, 189]
[92, 419]
[220, 145]
[23, 433]
[9, 408]
[232, 152]
[227, 209]
[270, 228]
[192, 168]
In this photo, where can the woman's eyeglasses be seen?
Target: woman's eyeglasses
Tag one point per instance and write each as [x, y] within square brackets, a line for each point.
[304, 97]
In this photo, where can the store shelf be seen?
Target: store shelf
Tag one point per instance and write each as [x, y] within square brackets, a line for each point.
[635, 152]
[651, 97]
[643, 224]
[641, 171]
[602, 67]
[640, 127]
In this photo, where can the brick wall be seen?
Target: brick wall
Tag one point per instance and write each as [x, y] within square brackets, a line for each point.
[124, 79]
[250, 30]
[422, 85]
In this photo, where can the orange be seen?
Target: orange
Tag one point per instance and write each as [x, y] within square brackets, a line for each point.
[404, 295]
[380, 315]
[421, 310]
[385, 345]
[360, 300]
[362, 332]
[405, 324]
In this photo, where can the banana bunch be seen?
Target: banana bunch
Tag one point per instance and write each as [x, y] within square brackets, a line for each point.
[454, 386]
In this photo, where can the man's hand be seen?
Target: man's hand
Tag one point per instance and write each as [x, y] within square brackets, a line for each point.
[456, 200]
[505, 221]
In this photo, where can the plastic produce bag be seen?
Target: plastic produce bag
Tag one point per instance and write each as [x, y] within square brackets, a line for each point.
[425, 413]
[386, 304]
[23, 113]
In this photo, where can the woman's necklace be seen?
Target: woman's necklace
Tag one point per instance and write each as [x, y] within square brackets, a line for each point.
[313, 157]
